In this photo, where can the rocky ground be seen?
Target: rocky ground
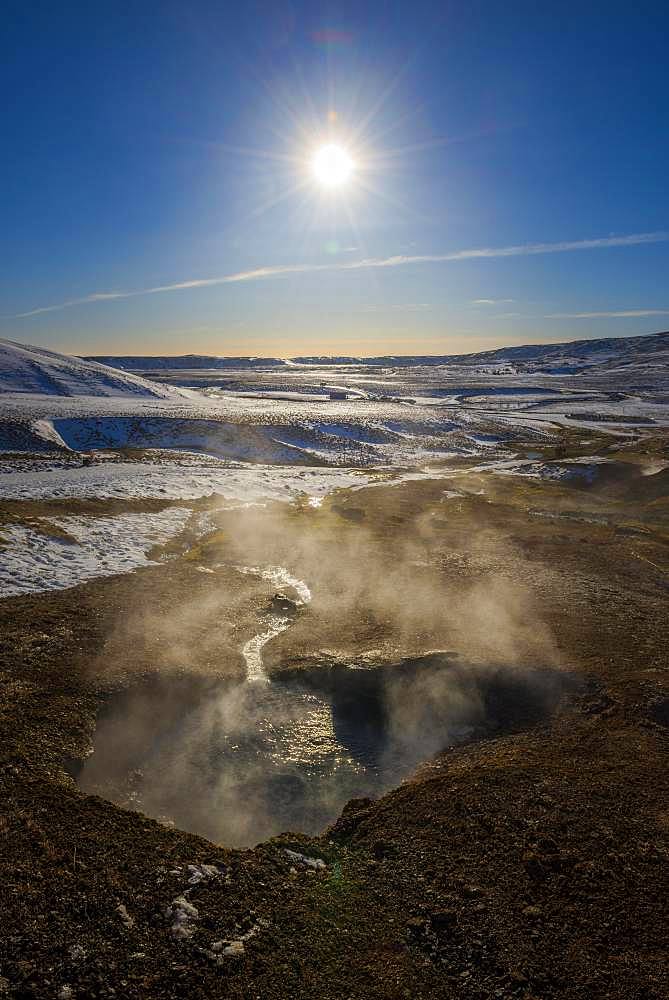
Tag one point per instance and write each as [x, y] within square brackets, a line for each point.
[529, 864]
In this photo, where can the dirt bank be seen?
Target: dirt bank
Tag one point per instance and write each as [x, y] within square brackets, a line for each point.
[526, 865]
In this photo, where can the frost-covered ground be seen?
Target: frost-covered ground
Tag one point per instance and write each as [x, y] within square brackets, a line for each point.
[72, 429]
[178, 481]
[85, 547]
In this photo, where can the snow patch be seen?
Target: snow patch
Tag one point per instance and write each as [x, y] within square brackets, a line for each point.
[179, 481]
[45, 430]
[102, 546]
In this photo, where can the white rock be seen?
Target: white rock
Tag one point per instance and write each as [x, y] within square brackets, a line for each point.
[183, 915]
[302, 859]
[125, 916]
[234, 948]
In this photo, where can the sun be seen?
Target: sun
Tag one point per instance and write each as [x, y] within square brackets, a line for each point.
[332, 166]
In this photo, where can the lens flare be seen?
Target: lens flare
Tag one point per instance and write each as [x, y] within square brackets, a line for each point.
[332, 166]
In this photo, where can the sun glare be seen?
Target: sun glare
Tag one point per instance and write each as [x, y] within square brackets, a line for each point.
[332, 166]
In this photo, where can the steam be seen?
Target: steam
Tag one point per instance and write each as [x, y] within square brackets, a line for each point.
[355, 702]
[240, 762]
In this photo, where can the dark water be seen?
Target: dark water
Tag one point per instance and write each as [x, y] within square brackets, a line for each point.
[239, 763]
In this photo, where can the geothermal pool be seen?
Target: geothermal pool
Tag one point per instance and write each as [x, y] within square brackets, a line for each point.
[241, 762]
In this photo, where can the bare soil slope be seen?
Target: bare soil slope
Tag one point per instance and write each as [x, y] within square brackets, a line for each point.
[528, 865]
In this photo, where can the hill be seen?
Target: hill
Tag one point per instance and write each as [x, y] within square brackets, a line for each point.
[36, 371]
[566, 358]
[572, 355]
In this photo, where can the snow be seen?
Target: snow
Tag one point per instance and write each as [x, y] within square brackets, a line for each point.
[572, 355]
[45, 430]
[27, 369]
[99, 546]
[179, 481]
[264, 433]
[584, 469]
[197, 872]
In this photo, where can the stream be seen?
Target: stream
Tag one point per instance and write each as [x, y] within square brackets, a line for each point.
[252, 650]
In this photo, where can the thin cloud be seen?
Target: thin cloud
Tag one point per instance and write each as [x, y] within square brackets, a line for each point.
[612, 314]
[490, 302]
[398, 307]
[402, 260]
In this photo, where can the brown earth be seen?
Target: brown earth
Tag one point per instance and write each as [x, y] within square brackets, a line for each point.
[528, 865]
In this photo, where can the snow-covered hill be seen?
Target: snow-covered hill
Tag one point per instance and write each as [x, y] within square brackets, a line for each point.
[572, 357]
[651, 349]
[187, 362]
[36, 371]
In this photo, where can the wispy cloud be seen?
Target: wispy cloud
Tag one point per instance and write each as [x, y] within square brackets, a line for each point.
[398, 307]
[402, 260]
[490, 302]
[255, 275]
[610, 314]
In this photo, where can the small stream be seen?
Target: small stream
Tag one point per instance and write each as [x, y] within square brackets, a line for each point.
[252, 650]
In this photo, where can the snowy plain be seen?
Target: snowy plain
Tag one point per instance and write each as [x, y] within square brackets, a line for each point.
[253, 431]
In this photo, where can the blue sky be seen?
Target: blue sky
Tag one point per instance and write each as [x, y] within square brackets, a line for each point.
[158, 198]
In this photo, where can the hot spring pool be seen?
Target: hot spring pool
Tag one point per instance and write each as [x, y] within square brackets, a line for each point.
[241, 762]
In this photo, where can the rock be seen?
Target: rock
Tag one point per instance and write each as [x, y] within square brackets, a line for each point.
[417, 926]
[533, 866]
[303, 859]
[383, 849]
[443, 919]
[183, 915]
[284, 604]
[234, 949]
[125, 916]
